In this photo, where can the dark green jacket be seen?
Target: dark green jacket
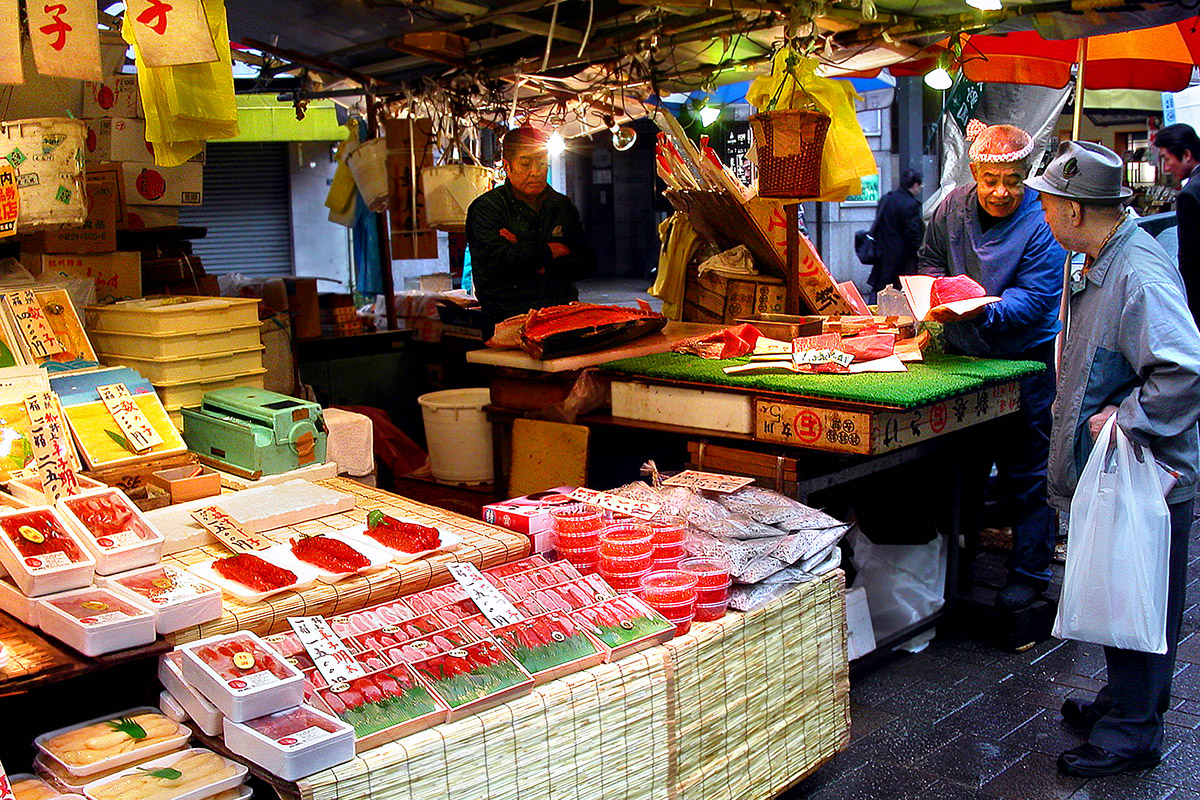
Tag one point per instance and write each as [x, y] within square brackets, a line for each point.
[506, 276]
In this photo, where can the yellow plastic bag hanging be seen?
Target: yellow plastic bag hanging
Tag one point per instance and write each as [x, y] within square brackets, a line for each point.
[847, 157]
[342, 190]
[189, 104]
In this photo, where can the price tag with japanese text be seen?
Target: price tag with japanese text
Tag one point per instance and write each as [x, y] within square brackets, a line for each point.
[6, 792]
[229, 531]
[330, 654]
[708, 481]
[50, 441]
[492, 604]
[31, 320]
[10, 200]
[129, 418]
[641, 509]
[171, 34]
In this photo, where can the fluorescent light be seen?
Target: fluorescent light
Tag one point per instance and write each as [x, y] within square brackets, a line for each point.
[938, 79]
[985, 5]
[555, 144]
[709, 115]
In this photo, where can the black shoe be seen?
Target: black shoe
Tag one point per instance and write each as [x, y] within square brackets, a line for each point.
[1089, 761]
[1079, 714]
[1016, 595]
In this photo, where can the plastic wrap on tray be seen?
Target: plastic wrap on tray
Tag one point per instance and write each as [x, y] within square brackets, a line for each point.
[502, 571]
[372, 619]
[773, 508]
[113, 742]
[474, 676]
[383, 700]
[414, 650]
[432, 599]
[549, 646]
[31, 787]
[540, 578]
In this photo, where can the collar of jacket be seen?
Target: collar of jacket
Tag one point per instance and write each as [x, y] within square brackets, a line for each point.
[1103, 261]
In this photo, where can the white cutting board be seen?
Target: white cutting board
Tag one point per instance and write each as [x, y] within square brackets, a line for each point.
[659, 342]
[259, 509]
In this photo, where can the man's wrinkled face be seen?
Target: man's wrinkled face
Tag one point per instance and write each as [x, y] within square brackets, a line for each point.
[1057, 211]
[1000, 187]
[527, 171]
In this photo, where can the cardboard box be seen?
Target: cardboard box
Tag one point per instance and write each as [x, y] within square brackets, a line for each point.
[115, 96]
[118, 276]
[99, 231]
[138, 217]
[304, 307]
[530, 515]
[721, 299]
[122, 139]
[147, 184]
[410, 142]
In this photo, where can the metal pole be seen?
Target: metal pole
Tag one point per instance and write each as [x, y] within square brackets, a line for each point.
[1064, 306]
[382, 232]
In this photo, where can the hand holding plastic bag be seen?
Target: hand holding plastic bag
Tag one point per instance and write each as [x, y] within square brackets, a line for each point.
[1115, 585]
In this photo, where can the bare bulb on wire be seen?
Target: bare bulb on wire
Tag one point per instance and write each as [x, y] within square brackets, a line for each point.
[623, 138]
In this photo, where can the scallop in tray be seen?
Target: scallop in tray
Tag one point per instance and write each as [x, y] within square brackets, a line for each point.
[252, 577]
[336, 557]
[405, 539]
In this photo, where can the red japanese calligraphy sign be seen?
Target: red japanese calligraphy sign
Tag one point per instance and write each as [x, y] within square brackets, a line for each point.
[10, 200]
[10, 43]
[65, 38]
[31, 321]
[228, 531]
[137, 430]
[171, 32]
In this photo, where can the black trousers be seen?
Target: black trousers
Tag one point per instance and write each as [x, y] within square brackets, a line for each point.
[1138, 692]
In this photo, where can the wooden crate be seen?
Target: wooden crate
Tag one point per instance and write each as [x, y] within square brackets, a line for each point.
[715, 298]
[769, 470]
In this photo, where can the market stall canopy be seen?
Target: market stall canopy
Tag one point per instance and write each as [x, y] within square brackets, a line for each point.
[582, 60]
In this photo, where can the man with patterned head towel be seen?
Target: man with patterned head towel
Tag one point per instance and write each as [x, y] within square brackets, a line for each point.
[1131, 349]
[527, 244]
[993, 231]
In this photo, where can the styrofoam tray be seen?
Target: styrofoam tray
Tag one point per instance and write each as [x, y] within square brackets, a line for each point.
[450, 540]
[305, 576]
[206, 790]
[29, 490]
[164, 745]
[45, 574]
[179, 599]
[266, 683]
[296, 754]
[104, 621]
[376, 555]
[170, 674]
[123, 551]
[16, 603]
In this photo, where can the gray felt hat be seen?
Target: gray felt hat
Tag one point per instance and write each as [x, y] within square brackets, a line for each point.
[1083, 171]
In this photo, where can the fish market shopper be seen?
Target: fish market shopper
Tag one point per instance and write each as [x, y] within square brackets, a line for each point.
[993, 231]
[1132, 349]
[527, 244]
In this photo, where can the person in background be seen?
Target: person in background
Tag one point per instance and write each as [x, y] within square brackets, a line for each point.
[527, 244]
[1179, 155]
[898, 230]
[993, 231]
[1131, 349]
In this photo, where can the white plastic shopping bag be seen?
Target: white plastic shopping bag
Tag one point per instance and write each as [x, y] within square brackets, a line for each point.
[1115, 585]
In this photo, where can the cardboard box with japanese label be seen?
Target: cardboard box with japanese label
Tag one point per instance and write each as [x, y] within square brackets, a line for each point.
[147, 184]
[118, 276]
[121, 139]
[99, 231]
[115, 96]
[138, 217]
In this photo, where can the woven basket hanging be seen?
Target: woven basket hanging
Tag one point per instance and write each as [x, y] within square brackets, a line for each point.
[789, 144]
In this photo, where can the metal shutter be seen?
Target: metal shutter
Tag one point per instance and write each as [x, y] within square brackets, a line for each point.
[247, 209]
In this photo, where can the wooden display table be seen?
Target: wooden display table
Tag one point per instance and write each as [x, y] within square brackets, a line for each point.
[483, 545]
[742, 707]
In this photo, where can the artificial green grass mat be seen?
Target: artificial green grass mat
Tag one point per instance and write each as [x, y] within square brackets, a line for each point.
[936, 378]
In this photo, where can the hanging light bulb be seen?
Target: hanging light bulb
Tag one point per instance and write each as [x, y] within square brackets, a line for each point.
[939, 78]
[985, 5]
[555, 144]
[709, 115]
[623, 138]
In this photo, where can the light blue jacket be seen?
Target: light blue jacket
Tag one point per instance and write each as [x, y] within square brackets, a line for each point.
[1132, 343]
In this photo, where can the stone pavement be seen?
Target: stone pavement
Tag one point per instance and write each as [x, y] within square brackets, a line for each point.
[962, 720]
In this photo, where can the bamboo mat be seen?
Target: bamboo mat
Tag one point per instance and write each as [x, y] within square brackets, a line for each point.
[739, 708]
[483, 545]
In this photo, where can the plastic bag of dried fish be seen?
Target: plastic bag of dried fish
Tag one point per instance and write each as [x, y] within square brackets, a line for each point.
[749, 596]
[773, 508]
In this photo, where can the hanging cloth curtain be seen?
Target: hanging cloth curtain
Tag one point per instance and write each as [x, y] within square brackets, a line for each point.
[189, 104]
[679, 243]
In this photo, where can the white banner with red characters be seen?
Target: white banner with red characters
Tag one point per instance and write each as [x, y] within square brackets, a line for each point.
[66, 41]
[170, 34]
[10, 43]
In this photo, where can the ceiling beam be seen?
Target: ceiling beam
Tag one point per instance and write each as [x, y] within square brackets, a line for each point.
[314, 62]
[536, 27]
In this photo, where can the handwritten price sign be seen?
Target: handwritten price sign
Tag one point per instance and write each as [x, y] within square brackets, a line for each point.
[129, 417]
[330, 654]
[708, 481]
[31, 319]
[640, 509]
[495, 606]
[229, 531]
[50, 440]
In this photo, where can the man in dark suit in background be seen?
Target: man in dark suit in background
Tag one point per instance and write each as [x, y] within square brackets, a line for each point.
[1179, 155]
[898, 230]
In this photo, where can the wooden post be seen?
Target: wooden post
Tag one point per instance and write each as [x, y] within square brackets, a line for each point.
[791, 212]
[383, 231]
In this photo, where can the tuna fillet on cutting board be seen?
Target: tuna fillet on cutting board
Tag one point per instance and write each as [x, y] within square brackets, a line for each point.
[576, 328]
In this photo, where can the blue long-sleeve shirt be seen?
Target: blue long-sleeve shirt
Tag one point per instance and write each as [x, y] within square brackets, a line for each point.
[1016, 259]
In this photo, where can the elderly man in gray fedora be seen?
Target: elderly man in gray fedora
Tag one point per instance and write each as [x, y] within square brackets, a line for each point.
[1132, 349]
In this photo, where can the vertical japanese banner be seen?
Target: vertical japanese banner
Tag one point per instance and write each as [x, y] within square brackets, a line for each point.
[171, 34]
[10, 43]
[10, 200]
[65, 37]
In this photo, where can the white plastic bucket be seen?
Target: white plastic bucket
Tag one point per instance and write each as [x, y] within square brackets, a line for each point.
[47, 155]
[368, 164]
[449, 190]
[458, 435]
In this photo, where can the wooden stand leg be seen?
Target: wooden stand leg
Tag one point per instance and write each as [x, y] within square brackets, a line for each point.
[791, 213]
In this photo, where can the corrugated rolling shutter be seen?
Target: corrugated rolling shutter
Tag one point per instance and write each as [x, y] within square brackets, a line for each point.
[247, 209]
